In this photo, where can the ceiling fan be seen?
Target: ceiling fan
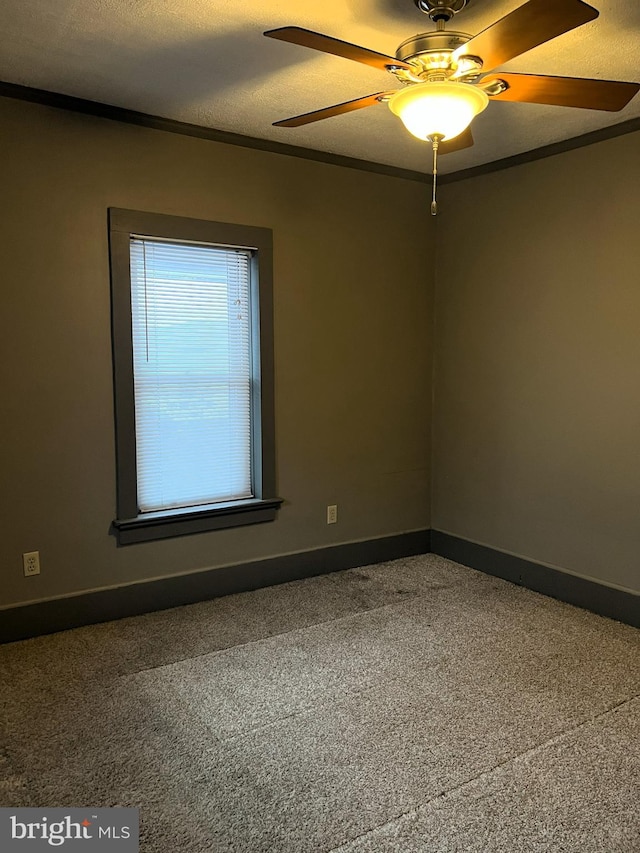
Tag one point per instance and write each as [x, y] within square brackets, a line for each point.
[447, 76]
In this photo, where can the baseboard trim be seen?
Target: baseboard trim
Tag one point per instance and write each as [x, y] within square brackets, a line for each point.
[60, 614]
[590, 595]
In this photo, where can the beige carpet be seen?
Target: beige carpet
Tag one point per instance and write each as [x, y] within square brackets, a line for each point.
[412, 706]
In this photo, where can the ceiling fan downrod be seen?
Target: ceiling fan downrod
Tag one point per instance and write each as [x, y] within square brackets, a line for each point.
[441, 11]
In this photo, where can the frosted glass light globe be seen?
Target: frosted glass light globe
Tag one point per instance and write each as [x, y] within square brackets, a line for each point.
[443, 108]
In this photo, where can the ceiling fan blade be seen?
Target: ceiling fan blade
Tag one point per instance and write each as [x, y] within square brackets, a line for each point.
[609, 95]
[327, 44]
[528, 26]
[328, 112]
[463, 140]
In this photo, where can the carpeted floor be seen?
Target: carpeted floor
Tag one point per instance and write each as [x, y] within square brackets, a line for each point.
[414, 706]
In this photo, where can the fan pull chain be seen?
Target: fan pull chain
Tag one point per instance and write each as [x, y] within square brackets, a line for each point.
[435, 142]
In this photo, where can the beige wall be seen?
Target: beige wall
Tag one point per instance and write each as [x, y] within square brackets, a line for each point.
[537, 373]
[537, 368]
[353, 289]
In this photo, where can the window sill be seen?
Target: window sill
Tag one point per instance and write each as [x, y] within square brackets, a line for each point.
[181, 522]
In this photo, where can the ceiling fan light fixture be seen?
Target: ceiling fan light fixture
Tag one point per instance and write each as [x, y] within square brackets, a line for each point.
[442, 109]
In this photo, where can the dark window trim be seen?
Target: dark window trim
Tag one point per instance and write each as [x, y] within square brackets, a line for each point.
[130, 525]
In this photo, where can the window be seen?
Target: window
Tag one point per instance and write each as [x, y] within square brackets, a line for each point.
[193, 372]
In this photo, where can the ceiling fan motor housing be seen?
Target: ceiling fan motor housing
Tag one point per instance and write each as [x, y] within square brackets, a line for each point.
[424, 43]
[441, 10]
[431, 58]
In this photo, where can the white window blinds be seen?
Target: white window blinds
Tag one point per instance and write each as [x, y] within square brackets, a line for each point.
[191, 325]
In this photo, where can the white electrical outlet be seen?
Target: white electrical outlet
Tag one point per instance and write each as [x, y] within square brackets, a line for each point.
[31, 563]
[332, 514]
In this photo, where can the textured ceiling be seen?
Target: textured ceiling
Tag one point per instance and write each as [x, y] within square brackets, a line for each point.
[206, 62]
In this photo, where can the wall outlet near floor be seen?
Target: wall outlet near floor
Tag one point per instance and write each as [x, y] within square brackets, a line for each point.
[31, 563]
[332, 514]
